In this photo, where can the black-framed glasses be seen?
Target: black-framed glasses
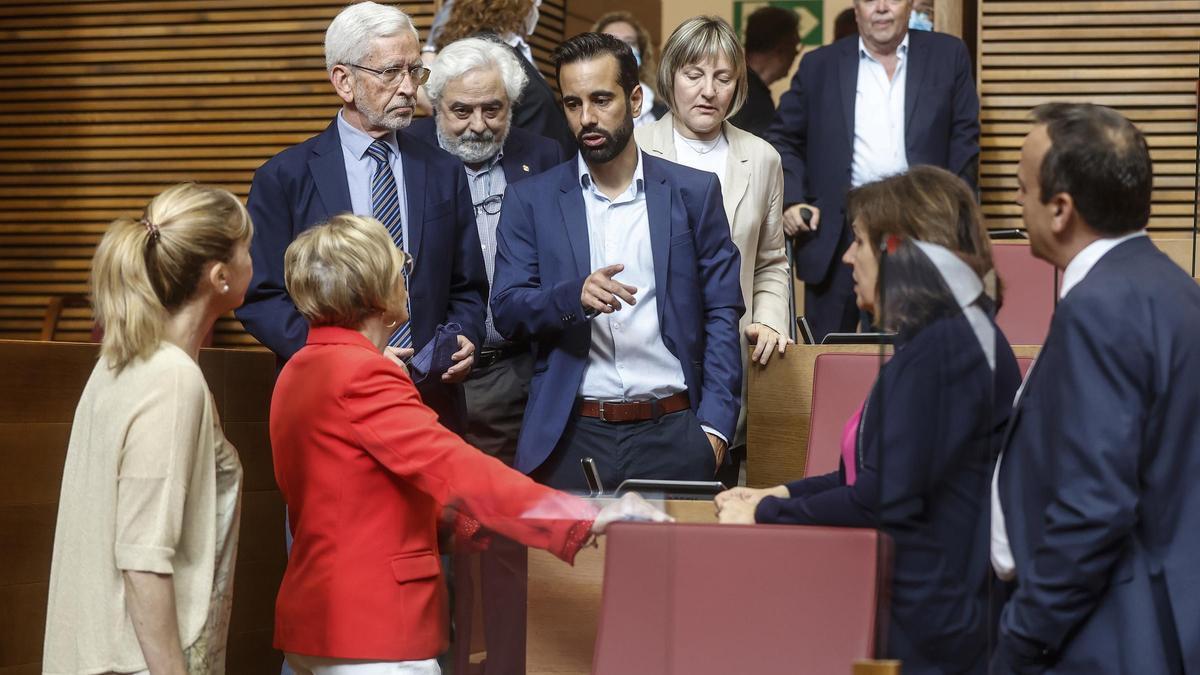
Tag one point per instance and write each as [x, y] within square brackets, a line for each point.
[490, 206]
[419, 74]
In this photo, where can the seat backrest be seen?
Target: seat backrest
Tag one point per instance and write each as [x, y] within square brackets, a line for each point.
[1028, 285]
[688, 599]
[841, 382]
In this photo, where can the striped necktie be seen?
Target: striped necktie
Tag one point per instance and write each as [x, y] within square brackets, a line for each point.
[385, 207]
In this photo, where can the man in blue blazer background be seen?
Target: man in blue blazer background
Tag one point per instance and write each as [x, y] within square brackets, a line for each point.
[621, 268]
[860, 109]
[1096, 508]
[361, 164]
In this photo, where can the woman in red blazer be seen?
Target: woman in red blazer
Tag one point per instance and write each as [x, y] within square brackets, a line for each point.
[365, 469]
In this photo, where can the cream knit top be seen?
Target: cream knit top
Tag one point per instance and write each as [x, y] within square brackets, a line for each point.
[150, 484]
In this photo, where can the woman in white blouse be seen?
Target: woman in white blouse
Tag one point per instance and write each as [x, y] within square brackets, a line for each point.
[142, 575]
[702, 75]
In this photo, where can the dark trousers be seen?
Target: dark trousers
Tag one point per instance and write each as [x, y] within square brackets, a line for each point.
[496, 397]
[674, 447]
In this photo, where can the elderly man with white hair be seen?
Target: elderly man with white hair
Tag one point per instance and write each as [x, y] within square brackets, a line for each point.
[473, 86]
[360, 165]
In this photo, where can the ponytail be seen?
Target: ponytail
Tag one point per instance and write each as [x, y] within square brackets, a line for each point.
[144, 270]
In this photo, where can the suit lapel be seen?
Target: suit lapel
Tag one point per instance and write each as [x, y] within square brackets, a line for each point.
[848, 76]
[511, 162]
[739, 174]
[328, 169]
[914, 73]
[658, 212]
[574, 215]
[414, 190]
[659, 138]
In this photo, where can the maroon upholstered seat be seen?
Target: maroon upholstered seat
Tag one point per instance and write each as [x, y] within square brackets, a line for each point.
[1028, 285]
[841, 383]
[688, 599]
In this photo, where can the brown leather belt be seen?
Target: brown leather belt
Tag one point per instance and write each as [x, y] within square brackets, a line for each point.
[634, 411]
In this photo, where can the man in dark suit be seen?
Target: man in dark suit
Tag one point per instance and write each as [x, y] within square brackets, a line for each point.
[860, 109]
[1095, 511]
[361, 164]
[621, 268]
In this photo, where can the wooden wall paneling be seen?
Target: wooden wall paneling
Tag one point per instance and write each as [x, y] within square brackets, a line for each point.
[110, 101]
[1141, 57]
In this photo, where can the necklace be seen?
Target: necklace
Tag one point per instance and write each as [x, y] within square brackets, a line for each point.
[702, 149]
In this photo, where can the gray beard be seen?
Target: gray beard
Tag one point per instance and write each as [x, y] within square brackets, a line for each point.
[472, 148]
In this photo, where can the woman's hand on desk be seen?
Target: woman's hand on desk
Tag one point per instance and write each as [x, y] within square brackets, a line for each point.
[629, 507]
[766, 341]
[735, 512]
[738, 505]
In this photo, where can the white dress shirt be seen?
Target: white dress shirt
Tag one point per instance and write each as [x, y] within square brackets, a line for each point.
[628, 360]
[360, 168]
[1077, 270]
[879, 118]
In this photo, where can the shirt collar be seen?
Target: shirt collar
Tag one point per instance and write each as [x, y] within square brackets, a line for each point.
[585, 176]
[1085, 260]
[487, 166]
[356, 141]
[901, 50]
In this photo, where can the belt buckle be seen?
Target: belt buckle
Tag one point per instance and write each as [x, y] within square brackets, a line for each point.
[601, 406]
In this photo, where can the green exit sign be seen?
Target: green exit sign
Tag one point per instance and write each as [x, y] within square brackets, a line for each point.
[811, 16]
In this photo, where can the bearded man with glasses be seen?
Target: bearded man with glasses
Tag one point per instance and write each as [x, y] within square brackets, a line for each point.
[364, 164]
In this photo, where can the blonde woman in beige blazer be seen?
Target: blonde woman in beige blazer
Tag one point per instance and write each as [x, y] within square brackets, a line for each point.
[703, 77]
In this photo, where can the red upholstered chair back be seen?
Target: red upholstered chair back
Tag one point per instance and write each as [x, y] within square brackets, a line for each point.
[841, 382]
[1028, 293]
[688, 599]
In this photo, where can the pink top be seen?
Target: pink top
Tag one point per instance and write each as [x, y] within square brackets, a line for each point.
[850, 444]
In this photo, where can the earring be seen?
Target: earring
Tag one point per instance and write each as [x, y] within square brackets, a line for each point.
[390, 325]
[225, 288]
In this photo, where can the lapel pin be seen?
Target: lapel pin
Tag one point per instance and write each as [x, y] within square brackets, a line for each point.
[525, 168]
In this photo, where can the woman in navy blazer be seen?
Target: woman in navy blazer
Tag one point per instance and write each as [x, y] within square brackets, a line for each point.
[917, 456]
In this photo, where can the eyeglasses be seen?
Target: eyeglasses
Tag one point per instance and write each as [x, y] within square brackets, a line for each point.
[490, 206]
[407, 263]
[419, 74]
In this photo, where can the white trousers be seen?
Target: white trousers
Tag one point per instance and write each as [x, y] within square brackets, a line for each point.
[319, 665]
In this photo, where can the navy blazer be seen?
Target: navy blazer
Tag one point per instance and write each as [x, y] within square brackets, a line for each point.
[306, 184]
[544, 258]
[1099, 474]
[526, 154]
[930, 427]
[814, 131]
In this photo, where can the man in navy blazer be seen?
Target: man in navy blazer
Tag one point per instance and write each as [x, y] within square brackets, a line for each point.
[621, 268]
[1096, 510]
[307, 183]
[862, 108]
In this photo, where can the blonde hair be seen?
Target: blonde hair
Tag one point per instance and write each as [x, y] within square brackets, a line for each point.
[344, 270]
[695, 41]
[146, 269]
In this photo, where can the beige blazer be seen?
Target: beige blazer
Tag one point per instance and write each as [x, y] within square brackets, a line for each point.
[752, 190]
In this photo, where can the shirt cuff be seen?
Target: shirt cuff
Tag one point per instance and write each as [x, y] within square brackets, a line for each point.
[709, 430]
[135, 558]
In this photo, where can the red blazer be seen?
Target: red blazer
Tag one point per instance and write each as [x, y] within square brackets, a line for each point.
[365, 468]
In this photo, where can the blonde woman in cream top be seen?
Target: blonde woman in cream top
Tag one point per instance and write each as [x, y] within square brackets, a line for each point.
[703, 76]
[142, 575]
